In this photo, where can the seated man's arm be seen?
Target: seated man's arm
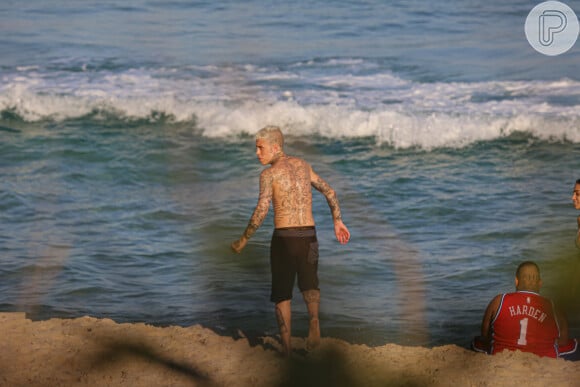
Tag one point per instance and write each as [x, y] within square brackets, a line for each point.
[567, 347]
[489, 314]
[563, 325]
[483, 342]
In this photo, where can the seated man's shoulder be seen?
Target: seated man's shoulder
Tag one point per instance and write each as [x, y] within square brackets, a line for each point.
[498, 297]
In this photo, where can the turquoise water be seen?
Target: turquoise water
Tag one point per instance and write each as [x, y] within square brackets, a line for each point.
[127, 161]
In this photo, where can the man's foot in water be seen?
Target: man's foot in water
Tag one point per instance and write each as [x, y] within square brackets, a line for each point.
[313, 334]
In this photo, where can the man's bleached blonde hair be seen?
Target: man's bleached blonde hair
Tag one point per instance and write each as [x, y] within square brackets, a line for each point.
[272, 134]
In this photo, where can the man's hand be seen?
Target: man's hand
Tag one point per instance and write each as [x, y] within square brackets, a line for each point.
[238, 246]
[481, 344]
[341, 232]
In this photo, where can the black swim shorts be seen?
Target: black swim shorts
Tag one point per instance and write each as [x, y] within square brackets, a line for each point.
[293, 251]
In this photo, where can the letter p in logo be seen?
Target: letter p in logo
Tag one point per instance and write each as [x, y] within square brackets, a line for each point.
[552, 28]
[552, 22]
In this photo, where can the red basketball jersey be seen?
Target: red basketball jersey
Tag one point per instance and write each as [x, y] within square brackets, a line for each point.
[525, 321]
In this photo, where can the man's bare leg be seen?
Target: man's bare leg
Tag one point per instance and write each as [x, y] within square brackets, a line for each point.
[283, 316]
[312, 299]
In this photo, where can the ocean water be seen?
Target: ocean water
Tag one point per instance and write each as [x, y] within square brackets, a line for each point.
[127, 160]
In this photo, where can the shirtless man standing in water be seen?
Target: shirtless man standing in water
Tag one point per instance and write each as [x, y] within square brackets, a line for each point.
[294, 248]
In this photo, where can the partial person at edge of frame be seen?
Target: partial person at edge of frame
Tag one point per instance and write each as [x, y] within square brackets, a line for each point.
[576, 202]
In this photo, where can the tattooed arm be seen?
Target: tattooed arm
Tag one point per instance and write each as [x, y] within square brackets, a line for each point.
[340, 230]
[260, 211]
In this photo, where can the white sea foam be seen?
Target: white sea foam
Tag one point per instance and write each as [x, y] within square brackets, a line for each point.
[304, 99]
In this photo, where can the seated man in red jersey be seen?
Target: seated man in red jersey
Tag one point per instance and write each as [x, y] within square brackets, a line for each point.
[525, 321]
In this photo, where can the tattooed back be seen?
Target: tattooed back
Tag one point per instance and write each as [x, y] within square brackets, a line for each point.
[290, 181]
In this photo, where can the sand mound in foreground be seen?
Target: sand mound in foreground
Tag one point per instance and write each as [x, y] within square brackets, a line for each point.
[99, 352]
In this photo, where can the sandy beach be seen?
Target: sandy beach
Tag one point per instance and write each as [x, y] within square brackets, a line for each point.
[100, 352]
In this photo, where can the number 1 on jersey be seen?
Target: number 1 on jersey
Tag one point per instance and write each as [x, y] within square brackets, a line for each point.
[523, 330]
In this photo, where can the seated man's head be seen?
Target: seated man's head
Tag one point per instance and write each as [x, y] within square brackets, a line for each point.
[528, 277]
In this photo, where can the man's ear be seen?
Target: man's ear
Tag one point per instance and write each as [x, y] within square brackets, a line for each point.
[517, 282]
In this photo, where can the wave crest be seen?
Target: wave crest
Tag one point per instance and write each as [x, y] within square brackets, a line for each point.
[229, 101]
